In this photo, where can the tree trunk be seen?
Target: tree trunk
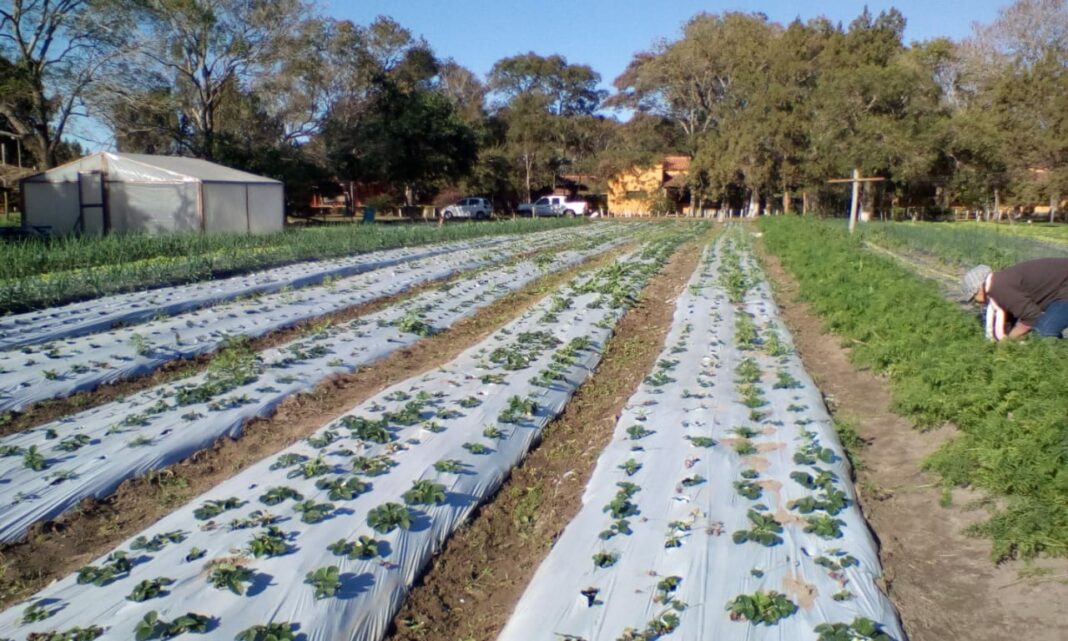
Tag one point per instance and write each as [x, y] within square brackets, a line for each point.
[997, 205]
[409, 196]
[854, 202]
[787, 201]
[806, 205]
[754, 204]
[1054, 201]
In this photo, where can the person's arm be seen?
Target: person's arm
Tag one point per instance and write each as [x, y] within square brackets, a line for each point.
[1019, 329]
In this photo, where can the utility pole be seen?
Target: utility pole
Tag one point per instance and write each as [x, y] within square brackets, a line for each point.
[854, 204]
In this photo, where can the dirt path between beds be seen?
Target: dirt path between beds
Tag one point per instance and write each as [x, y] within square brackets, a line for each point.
[943, 583]
[471, 587]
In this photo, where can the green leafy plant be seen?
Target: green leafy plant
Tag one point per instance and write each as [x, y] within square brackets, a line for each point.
[367, 430]
[425, 492]
[861, 629]
[517, 410]
[363, 548]
[34, 460]
[372, 465]
[387, 517]
[701, 441]
[310, 469]
[280, 494]
[342, 489]
[765, 530]
[450, 466]
[35, 612]
[158, 542]
[268, 632]
[605, 559]
[631, 467]
[272, 542]
[73, 443]
[637, 432]
[326, 581]
[761, 607]
[153, 627]
[476, 448]
[312, 512]
[288, 459]
[211, 509]
[149, 589]
[824, 526]
[116, 565]
[224, 574]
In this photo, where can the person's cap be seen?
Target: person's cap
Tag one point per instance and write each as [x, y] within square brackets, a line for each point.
[972, 279]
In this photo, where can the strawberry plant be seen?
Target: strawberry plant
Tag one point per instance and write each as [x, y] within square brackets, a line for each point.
[280, 494]
[700, 441]
[476, 448]
[786, 381]
[389, 516]
[631, 467]
[34, 460]
[269, 543]
[748, 489]
[832, 502]
[319, 441]
[450, 466]
[492, 431]
[149, 589]
[77, 633]
[744, 447]
[326, 581]
[116, 565]
[35, 612]
[268, 632]
[310, 469]
[363, 548]
[73, 443]
[224, 574]
[691, 481]
[824, 526]
[620, 526]
[153, 627]
[765, 530]
[861, 629]
[605, 559]
[636, 432]
[470, 401]
[367, 430]
[761, 607]
[372, 465]
[194, 554]
[288, 460]
[312, 512]
[837, 560]
[157, 542]
[342, 489]
[517, 409]
[425, 492]
[211, 509]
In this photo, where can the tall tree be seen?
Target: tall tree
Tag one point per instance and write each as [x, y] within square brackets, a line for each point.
[55, 51]
[201, 47]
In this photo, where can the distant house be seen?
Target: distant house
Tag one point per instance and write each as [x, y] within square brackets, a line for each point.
[635, 191]
[136, 193]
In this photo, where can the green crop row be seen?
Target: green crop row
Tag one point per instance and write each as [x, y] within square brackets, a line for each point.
[1008, 400]
[963, 244]
[39, 273]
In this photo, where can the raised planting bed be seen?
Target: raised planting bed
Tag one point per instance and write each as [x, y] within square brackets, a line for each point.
[322, 540]
[59, 368]
[722, 508]
[90, 453]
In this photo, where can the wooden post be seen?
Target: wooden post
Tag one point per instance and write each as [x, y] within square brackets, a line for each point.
[854, 204]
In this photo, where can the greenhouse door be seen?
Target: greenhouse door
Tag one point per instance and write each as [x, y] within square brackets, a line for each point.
[92, 203]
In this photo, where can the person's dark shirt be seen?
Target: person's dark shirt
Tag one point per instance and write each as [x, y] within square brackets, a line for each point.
[1026, 289]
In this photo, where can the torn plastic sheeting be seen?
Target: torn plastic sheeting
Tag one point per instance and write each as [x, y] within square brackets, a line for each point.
[371, 590]
[684, 529]
[82, 363]
[103, 313]
[149, 430]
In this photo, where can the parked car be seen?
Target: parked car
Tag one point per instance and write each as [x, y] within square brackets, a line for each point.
[559, 206]
[477, 208]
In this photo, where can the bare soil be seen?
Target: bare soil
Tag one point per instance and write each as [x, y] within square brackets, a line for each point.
[54, 549]
[471, 587]
[943, 583]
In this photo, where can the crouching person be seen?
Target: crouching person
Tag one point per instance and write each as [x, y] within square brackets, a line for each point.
[1031, 296]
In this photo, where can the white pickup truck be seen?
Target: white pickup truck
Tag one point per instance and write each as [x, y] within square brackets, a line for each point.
[555, 206]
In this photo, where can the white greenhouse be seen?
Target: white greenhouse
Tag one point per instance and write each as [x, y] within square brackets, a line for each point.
[110, 192]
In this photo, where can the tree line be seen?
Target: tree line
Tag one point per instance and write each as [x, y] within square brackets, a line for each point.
[767, 111]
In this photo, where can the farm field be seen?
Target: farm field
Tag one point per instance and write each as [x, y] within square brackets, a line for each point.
[1006, 399]
[721, 501]
[41, 273]
[429, 429]
[71, 353]
[963, 245]
[167, 423]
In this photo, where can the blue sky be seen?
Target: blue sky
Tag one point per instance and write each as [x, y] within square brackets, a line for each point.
[605, 33]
